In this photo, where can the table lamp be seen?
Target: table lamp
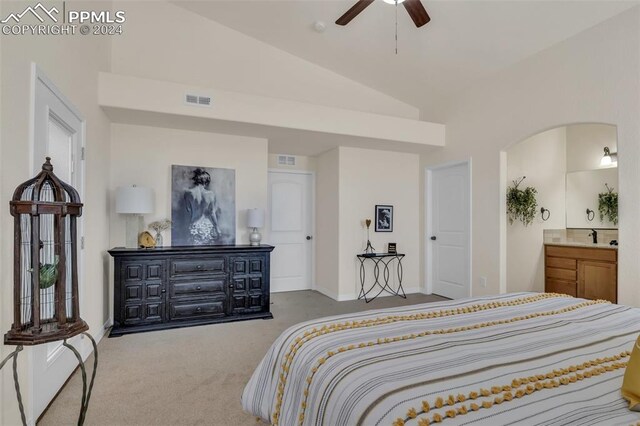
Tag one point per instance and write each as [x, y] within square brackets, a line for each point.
[255, 220]
[134, 201]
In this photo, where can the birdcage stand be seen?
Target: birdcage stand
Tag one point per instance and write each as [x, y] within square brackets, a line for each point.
[14, 355]
[86, 390]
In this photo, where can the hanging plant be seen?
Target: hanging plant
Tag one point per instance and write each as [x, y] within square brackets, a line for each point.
[521, 203]
[608, 205]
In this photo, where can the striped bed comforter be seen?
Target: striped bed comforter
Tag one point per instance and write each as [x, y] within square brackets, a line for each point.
[525, 358]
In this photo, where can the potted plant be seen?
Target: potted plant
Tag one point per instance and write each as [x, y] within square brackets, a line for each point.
[521, 203]
[608, 205]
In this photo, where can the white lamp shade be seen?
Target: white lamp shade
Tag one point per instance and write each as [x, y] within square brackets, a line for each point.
[134, 200]
[255, 218]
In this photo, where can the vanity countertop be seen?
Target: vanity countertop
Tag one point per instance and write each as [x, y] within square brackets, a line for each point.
[579, 244]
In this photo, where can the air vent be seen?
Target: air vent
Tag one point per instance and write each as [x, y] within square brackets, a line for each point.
[198, 100]
[286, 160]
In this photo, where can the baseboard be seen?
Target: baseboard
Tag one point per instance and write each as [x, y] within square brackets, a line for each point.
[354, 296]
[327, 293]
[87, 348]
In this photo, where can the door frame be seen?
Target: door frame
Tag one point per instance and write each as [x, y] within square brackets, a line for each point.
[312, 174]
[83, 346]
[428, 225]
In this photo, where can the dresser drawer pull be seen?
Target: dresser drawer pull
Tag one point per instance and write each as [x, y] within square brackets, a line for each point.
[199, 267]
[198, 309]
[198, 288]
[164, 290]
[230, 285]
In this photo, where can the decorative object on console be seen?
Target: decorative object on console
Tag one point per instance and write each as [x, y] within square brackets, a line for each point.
[384, 218]
[590, 214]
[175, 287]
[608, 205]
[544, 212]
[46, 305]
[203, 206]
[255, 220]
[521, 203]
[369, 249]
[146, 240]
[158, 227]
[134, 201]
[392, 248]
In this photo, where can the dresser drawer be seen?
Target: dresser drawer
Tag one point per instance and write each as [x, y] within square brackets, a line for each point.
[194, 288]
[197, 309]
[188, 267]
[563, 287]
[562, 274]
[561, 262]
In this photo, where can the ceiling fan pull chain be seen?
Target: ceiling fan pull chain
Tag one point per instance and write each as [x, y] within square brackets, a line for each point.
[396, 27]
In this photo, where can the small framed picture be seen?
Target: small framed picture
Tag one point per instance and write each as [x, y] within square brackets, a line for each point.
[384, 218]
[392, 248]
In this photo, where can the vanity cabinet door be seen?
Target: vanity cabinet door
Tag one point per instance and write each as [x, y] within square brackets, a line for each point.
[597, 280]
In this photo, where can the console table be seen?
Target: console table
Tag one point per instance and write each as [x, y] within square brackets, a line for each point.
[384, 260]
[171, 287]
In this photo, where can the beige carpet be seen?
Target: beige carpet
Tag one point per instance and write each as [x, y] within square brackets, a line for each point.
[192, 376]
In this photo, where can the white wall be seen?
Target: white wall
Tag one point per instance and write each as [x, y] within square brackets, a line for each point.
[542, 159]
[72, 63]
[144, 156]
[177, 45]
[591, 77]
[327, 222]
[368, 178]
[350, 182]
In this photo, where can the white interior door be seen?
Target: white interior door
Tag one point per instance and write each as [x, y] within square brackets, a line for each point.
[59, 134]
[290, 218]
[448, 231]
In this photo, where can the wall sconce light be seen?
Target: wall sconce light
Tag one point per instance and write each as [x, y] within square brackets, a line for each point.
[609, 158]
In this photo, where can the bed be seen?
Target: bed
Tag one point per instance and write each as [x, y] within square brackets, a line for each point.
[525, 358]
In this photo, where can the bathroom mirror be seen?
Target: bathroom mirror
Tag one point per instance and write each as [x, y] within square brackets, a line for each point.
[582, 194]
[591, 169]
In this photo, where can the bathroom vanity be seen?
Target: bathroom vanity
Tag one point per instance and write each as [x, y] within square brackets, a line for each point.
[582, 270]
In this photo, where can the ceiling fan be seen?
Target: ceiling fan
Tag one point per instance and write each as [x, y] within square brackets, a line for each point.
[414, 7]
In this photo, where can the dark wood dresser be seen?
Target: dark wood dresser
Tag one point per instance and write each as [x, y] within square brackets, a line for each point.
[171, 287]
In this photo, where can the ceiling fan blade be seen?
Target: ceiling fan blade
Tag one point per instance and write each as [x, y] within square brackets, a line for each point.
[417, 12]
[353, 12]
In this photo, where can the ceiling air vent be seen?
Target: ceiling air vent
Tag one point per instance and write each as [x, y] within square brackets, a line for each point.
[198, 100]
[286, 160]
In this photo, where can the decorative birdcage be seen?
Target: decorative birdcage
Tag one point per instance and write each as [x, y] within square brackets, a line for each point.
[46, 305]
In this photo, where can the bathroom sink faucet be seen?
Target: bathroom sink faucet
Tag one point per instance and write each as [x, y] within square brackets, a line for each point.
[594, 235]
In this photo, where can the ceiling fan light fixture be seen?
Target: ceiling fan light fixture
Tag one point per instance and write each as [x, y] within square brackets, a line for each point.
[393, 1]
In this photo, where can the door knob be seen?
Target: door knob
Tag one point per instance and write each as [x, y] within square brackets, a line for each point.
[309, 237]
[433, 238]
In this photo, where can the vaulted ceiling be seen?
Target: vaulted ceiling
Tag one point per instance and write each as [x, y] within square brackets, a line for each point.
[464, 42]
